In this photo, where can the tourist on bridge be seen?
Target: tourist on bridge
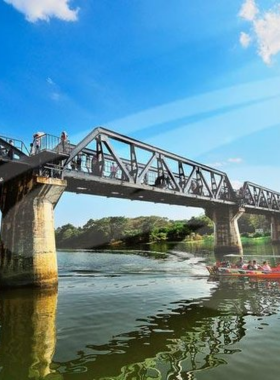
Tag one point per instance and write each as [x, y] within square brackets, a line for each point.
[88, 162]
[79, 162]
[94, 165]
[159, 182]
[37, 141]
[63, 140]
[113, 170]
[10, 153]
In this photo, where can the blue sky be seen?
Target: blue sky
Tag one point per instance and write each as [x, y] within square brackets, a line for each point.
[197, 78]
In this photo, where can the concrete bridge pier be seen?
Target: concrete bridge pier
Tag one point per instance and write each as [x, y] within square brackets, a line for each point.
[275, 229]
[226, 232]
[28, 253]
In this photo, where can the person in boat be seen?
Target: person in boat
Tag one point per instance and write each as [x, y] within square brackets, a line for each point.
[266, 267]
[239, 263]
[255, 265]
[250, 265]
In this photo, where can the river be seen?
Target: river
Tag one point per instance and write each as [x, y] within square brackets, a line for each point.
[143, 314]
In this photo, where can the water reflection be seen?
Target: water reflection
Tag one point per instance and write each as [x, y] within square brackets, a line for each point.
[28, 334]
[193, 335]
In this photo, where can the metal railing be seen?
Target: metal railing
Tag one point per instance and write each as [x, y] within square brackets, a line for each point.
[18, 144]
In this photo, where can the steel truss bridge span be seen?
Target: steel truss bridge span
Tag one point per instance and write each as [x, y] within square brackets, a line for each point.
[113, 165]
[109, 164]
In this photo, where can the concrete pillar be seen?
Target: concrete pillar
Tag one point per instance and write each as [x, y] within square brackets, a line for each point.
[28, 253]
[226, 232]
[275, 229]
[28, 333]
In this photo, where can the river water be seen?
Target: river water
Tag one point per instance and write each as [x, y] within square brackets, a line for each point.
[149, 314]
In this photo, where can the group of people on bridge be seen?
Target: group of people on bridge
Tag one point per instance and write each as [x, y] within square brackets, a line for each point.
[36, 144]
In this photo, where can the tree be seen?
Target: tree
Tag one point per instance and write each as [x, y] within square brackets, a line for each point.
[201, 224]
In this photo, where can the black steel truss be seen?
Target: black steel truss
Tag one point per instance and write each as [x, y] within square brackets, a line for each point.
[259, 197]
[107, 154]
[108, 163]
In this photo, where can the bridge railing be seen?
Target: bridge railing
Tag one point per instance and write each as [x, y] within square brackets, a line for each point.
[10, 142]
[45, 141]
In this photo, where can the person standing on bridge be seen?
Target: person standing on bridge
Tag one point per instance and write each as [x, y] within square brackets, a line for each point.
[63, 140]
[113, 170]
[11, 150]
[79, 162]
[88, 162]
[37, 141]
[94, 165]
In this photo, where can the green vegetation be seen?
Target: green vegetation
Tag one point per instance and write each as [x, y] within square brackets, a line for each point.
[130, 231]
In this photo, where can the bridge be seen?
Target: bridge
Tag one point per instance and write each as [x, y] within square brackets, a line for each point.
[106, 163]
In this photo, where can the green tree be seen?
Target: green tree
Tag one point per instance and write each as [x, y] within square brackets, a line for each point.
[201, 224]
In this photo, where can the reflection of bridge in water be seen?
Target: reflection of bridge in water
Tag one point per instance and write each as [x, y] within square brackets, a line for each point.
[108, 164]
[195, 336]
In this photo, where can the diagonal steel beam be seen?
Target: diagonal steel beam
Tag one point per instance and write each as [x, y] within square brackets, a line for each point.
[78, 148]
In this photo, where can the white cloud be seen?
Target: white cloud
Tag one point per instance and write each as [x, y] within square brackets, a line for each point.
[55, 93]
[236, 160]
[245, 39]
[249, 10]
[50, 81]
[265, 29]
[219, 164]
[35, 10]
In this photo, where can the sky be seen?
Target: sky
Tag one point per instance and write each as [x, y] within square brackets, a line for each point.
[197, 78]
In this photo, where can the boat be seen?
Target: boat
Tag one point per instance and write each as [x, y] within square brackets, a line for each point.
[216, 270]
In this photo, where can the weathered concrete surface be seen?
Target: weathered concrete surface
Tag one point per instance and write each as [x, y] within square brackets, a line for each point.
[226, 232]
[275, 229]
[28, 333]
[28, 254]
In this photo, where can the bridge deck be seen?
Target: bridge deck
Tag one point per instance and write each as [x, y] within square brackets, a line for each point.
[83, 183]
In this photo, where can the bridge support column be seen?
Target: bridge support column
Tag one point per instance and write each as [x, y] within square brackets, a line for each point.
[28, 254]
[226, 232]
[275, 229]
